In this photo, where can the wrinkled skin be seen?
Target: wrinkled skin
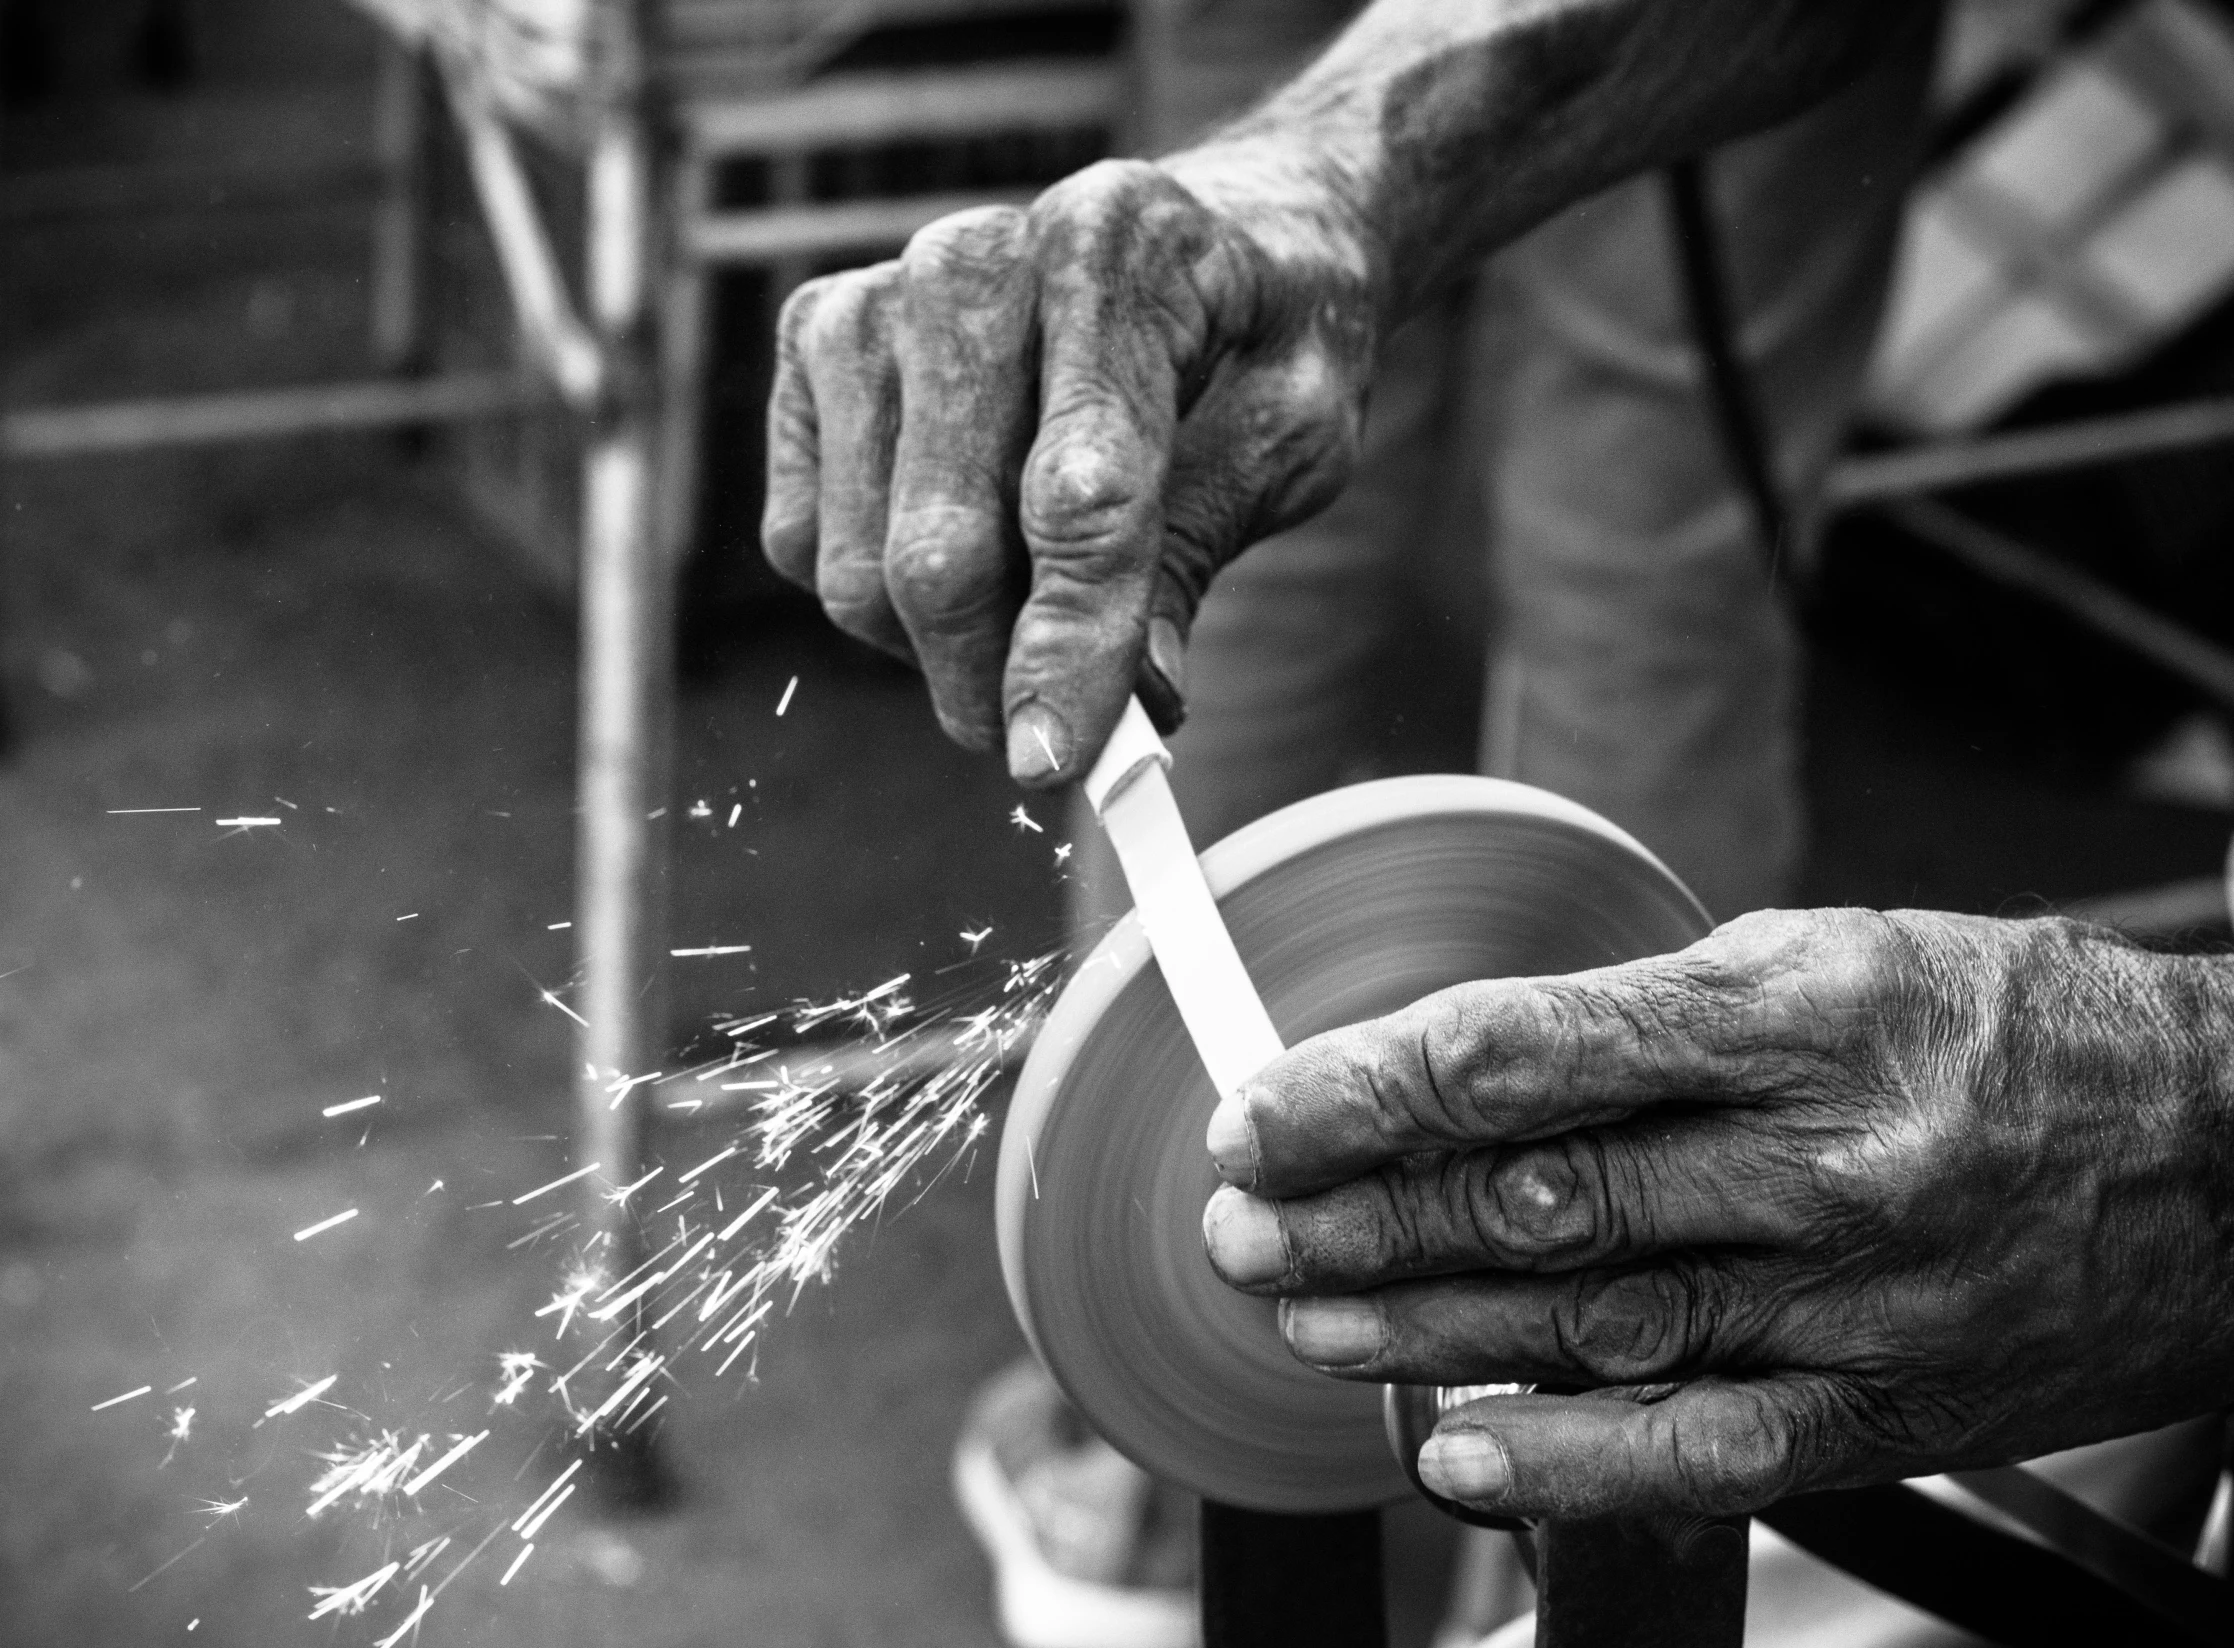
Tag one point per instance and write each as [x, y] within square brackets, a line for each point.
[1016, 455]
[1830, 1197]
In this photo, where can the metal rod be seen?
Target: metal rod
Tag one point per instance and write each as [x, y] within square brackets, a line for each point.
[256, 414]
[770, 234]
[927, 104]
[560, 342]
[1641, 1582]
[2172, 647]
[402, 215]
[628, 599]
[76, 194]
[2028, 452]
[683, 346]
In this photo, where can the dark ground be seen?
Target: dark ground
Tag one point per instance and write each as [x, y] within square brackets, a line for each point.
[315, 621]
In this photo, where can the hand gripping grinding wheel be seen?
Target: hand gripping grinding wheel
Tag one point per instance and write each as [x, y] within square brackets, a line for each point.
[1342, 907]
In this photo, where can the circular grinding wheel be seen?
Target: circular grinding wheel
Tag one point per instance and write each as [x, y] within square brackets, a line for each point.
[1345, 906]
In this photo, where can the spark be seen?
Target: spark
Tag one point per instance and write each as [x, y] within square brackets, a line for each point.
[182, 1424]
[533, 1528]
[126, 1397]
[718, 1156]
[700, 809]
[562, 1179]
[712, 950]
[1063, 852]
[301, 1399]
[413, 916]
[174, 1562]
[430, 1190]
[543, 1498]
[131, 812]
[248, 823]
[578, 1288]
[619, 1198]
[973, 940]
[410, 1623]
[784, 703]
[621, 1086]
[465, 1446]
[1024, 820]
[518, 1369]
[219, 1509]
[344, 1108]
[1040, 733]
[351, 1598]
[557, 926]
[736, 811]
[370, 1469]
[191, 1379]
[526, 1551]
[308, 1231]
[289, 805]
[743, 1219]
[550, 999]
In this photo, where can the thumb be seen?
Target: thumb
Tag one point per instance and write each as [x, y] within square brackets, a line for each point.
[1709, 1448]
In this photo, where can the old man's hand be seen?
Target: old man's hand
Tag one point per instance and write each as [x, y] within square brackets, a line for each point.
[1830, 1197]
[1016, 455]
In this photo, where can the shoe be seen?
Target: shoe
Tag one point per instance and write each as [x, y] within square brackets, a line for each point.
[1087, 1551]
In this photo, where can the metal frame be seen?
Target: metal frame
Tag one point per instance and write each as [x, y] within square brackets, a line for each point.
[627, 359]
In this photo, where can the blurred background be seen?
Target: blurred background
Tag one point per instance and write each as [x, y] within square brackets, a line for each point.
[296, 417]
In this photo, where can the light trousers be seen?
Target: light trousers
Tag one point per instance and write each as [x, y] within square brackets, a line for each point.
[1543, 467]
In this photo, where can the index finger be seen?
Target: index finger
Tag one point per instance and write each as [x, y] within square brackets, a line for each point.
[1117, 320]
[1503, 1060]
[953, 561]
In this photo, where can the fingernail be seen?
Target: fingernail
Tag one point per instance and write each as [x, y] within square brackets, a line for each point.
[1166, 654]
[1334, 1333]
[1244, 1239]
[1468, 1465]
[1232, 1142]
[1038, 743]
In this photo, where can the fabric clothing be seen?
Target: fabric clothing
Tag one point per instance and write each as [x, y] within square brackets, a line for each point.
[1542, 460]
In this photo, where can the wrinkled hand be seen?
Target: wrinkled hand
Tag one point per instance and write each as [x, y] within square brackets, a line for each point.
[1828, 1198]
[1016, 455]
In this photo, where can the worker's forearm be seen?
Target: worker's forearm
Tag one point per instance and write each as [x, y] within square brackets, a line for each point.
[1432, 131]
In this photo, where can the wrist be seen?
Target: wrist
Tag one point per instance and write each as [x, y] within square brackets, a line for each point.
[1296, 207]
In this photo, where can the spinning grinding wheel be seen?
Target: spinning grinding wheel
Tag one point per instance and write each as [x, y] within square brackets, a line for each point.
[1342, 907]
[1345, 906]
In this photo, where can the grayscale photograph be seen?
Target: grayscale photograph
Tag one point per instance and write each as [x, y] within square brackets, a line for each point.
[1116, 823]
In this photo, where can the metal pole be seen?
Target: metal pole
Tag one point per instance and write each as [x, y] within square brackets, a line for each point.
[1634, 1582]
[402, 219]
[627, 712]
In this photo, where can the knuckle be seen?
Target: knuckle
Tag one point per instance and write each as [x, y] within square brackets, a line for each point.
[1079, 499]
[973, 251]
[797, 312]
[1400, 1220]
[852, 594]
[1550, 1202]
[848, 317]
[942, 573]
[1637, 1325]
[1096, 193]
[787, 539]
